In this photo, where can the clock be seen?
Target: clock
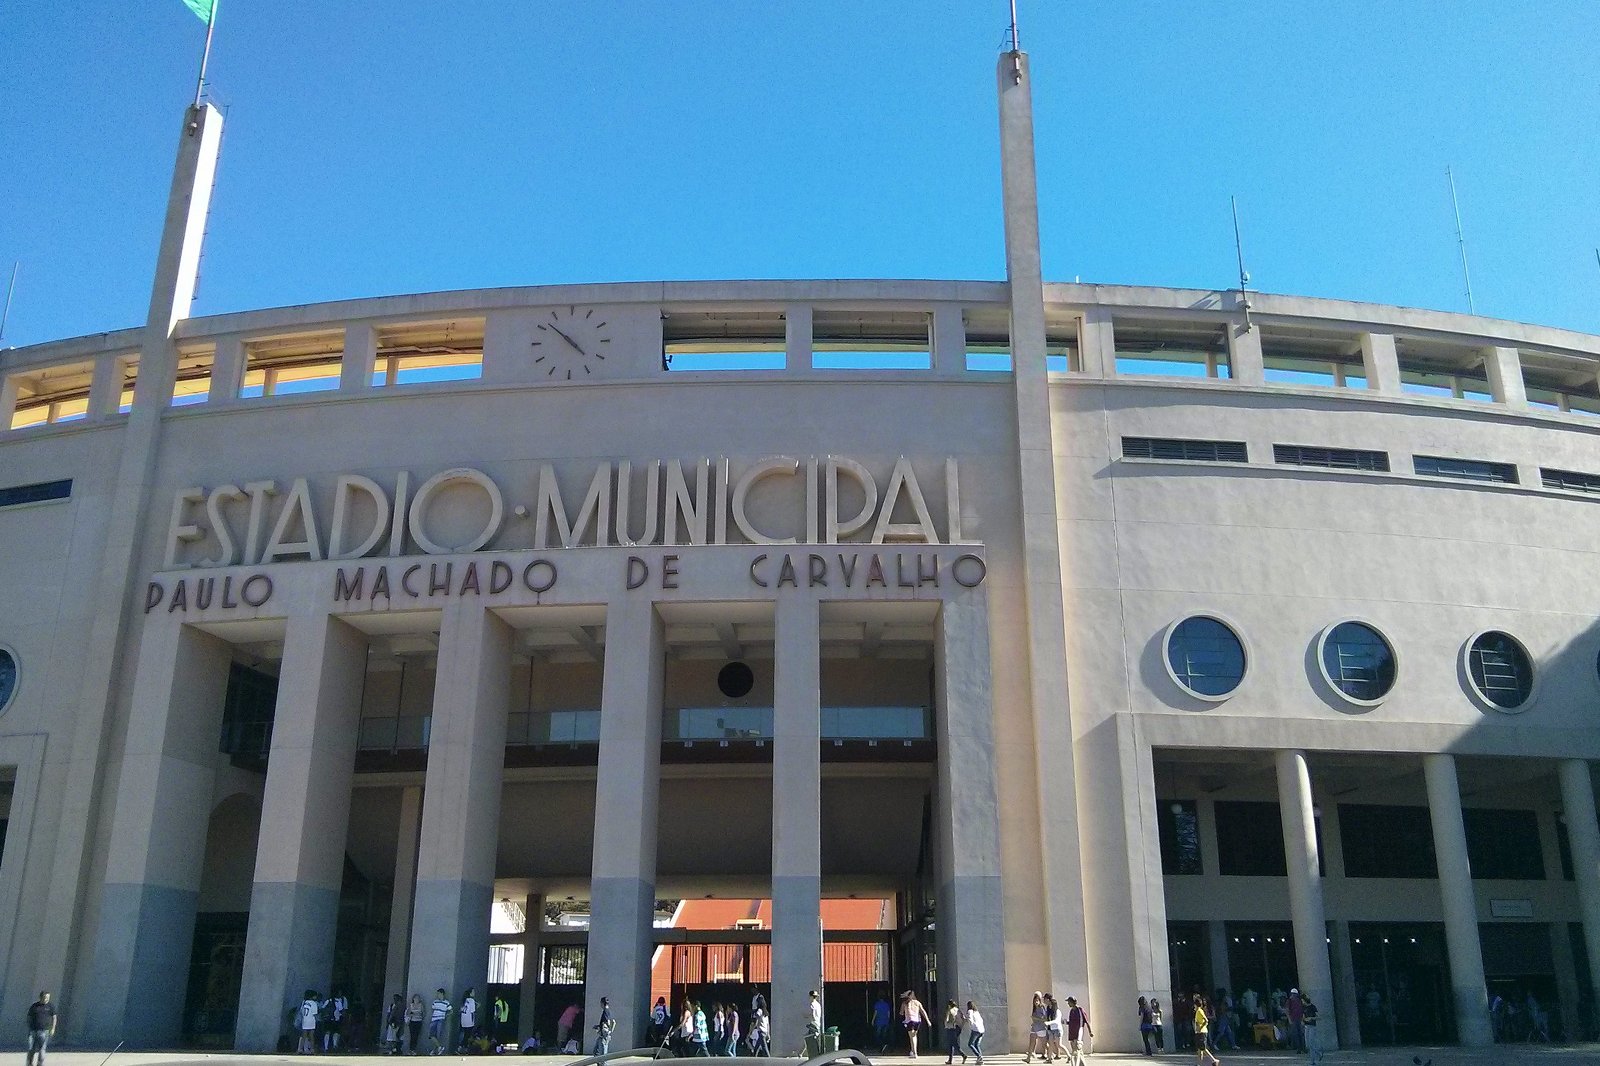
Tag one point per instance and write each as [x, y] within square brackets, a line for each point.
[570, 342]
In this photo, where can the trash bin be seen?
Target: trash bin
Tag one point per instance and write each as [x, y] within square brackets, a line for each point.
[830, 1041]
[813, 1046]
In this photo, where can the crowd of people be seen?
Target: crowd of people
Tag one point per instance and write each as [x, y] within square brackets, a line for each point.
[323, 1024]
[700, 1030]
[1208, 1024]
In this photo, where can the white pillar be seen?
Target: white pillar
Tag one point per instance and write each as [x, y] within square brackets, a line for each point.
[1380, 363]
[305, 813]
[398, 960]
[461, 803]
[1583, 839]
[797, 336]
[796, 820]
[1246, 364]
[1305, 890]
[1460, 904]
[227, 372]
[1503, 368]
[949, 340]
[1097, 344]
[622, 888]
[1344, 989]
[971, 928]
[360, 357]
[158, 838]
[1217, 944]
[1066, 959]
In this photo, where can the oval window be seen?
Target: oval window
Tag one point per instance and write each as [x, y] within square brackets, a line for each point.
[1358, 662]
[8, 678]
[1500, 670]
[1205, 656]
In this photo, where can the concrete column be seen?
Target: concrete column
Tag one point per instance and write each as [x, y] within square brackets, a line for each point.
[1066, 959]
[461, 803]
[796, 820]
[227, 373]
[972, 934]
[1345, 1000]
[397, 960]
[1305, 890]
[1460, 904]
[1245, 362]
[1217, 943]
[1503, 367]
[105, 388]
[1380, 363]
[8, 399]
[949, 340]
[305, 811]
[797, 337]
[1097, 345]
[158, 838]
[1583, 839]
[67, 958]
[622, 887]
[1566, 982]
[360, 357]
[528, 991]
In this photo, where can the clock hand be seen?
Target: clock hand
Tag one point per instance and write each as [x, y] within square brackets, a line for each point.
[570, 341]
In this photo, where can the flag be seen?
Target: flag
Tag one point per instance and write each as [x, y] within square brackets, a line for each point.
[201, 8]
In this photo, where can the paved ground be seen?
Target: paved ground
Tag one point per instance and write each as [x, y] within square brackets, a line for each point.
[1504, 1055]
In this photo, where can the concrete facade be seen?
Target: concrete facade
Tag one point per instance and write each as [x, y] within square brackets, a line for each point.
[428, 569]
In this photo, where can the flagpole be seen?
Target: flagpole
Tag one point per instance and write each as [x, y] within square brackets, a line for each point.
[205, 56]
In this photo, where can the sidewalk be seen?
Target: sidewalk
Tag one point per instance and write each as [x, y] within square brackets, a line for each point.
[1500, 1055]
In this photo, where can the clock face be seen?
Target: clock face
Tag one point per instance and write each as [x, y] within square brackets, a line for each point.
[570, 343]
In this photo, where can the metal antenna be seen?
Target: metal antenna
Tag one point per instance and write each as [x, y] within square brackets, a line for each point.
[1016, 42]
[10, 289]
[205, 56]
[1461, 241]
[1244, 275]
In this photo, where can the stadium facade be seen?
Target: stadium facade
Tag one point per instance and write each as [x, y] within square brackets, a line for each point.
[1120, 640]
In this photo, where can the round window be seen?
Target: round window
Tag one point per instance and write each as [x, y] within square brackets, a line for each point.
[1500, 670]
[8, 678]
[735, 680]
[1205, 656]
[1358, 662]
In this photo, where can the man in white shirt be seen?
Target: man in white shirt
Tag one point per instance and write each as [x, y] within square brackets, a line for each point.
[308, 1023]
[438, 1022]
[469, 1021]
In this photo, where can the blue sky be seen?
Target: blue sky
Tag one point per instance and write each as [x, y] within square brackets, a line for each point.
[407, 146]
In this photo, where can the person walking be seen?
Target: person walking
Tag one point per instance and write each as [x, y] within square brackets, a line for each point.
[41, 1027]
[1052, 1028]
[564, 1024]
[1146, 1024]
[719, 1030]
[307, 1022]
[1036, 1028]
[975, 1033]
[604, 1028]
[659, 1021]
[500, 1015]
[913, 1017]
[438, 1022]
[880, 1021]
[1079, 1033]
[813, 1023]
[468, 1018]
[394, 1022]
[760, 1029]
[701, 1033]
[954, 1020]
[1201, 1027]
[731, 1031]
[1308, 1020]
[1157, 1020]
[414, 1011]
[1296, 1011]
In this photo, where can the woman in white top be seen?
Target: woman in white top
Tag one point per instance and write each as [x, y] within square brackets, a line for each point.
[975, 1032]
[912, 1016]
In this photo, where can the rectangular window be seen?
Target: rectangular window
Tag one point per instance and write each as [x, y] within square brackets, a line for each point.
[1333, 458]
[1196, 451]
[39, 492]
[724, 340]
[1570, 480]
[857, 340]
[1178, 826]
[420, 353]
[1465, 469]
[1170, 349]
[1250, 840]
[247, 714]
[1384, 841]
[1503, 845]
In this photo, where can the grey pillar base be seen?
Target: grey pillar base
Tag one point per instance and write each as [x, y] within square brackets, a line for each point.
[289, 948]
[141, 967]
[450, 938]
[974, 905]
[622, 913]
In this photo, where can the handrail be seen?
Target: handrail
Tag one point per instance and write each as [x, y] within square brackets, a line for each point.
[859, 1058]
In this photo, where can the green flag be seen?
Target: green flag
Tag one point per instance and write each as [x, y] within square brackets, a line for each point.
[201, 8]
